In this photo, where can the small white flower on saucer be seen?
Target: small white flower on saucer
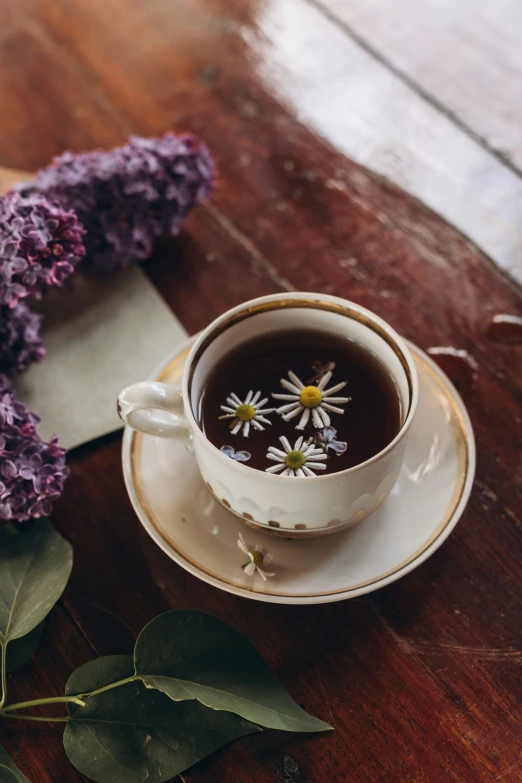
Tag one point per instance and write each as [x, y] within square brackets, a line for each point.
[239, 456]
[314, 400]
[301, 460]
[244, 414]
[258, 558]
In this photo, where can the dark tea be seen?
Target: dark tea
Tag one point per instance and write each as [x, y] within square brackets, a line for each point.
[335, 405]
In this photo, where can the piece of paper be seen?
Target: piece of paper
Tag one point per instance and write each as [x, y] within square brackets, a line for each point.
[100, 337]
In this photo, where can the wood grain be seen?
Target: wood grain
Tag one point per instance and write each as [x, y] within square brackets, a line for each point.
[325, 76]
[466, 57]
[421, 679]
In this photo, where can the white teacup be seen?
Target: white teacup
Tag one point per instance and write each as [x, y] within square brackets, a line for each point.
[291, 506]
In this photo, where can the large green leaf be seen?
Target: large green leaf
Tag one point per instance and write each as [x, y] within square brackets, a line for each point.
[131, 734]
[191, 655]
[35, 564]
[21, 650]
[9, 772]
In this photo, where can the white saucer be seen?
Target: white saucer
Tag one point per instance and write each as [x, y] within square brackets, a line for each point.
[200, 535]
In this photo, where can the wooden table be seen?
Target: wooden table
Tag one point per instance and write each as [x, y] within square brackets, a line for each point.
[421, 679]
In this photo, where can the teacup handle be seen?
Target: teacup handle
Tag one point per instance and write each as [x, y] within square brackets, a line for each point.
[137, 405]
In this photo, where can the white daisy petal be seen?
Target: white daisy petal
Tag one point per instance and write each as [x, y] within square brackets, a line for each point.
[267, 559]
[228, 408]
[307, 471]
[298, 382]
[325, 417]
[265, 411]
[261, 574]
[258, 405]
[286, 444]
[256, 424]
[267, 573]
[316, 418]
[290, 386]
[303, 420]
[255, 398]
[324, 380]
[341, 400]
[236, 427]
[273, 458]
[298, 443]
[317, 466]
[315, 458]
[293, 397]
[300, 472]
[290, 407]
[262, 418]
[246, 429]
[276, 452]
[227, 416]
[287, 472]
[333, 389]
[248, 397]
[242, 544]
[250, 568]
[332, 408]
[292, 414]
[275, 468]
[235, 399]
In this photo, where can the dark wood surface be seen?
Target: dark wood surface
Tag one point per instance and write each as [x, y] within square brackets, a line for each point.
[421, 679]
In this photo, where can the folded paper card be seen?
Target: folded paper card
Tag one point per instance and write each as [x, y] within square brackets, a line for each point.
[100, 337]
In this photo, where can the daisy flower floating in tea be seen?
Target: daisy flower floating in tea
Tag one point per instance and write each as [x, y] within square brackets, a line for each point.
[301, 460]
[314, 401]
[248, 413]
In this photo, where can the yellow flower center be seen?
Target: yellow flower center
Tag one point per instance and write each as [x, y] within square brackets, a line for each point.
[258, 558]
[245, 412]
[295, 459]
[310, 397]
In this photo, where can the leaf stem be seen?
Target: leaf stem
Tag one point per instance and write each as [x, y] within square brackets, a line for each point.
[57, 719]
[109, 687]
[3, 675]
[39, 702]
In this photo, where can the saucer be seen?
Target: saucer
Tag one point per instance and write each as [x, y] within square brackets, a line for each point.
[179, 513]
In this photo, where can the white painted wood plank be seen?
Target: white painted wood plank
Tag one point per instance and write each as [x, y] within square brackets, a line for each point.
[372, 116]
[467, 54]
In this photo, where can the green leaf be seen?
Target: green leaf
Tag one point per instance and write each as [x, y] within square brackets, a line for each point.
[191, 655]
[35, 564]
[20, 651]
[131, 734]
[9, 772]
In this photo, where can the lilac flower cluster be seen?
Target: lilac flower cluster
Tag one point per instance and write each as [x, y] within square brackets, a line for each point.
[125, 199]
[20, 343]
[32, 473]
[128, 196]
[40, 244]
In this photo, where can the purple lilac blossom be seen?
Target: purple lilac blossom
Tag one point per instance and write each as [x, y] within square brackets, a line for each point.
[327, 439]
[128, 196]
[32, 473]
[20, 343]
[40, 244]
